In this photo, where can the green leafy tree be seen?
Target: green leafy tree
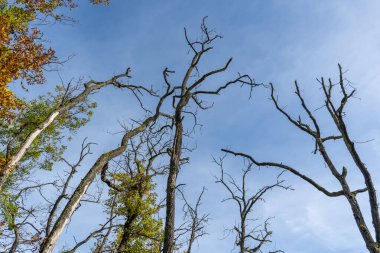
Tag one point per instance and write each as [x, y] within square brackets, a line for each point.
[46, 149]
[136, 204]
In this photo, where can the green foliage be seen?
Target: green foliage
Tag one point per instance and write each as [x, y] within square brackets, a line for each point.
[8, 211]
[46, 149]
[136, 204]
[49, 145]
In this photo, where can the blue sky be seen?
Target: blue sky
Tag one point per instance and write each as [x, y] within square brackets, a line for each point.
[273, 41]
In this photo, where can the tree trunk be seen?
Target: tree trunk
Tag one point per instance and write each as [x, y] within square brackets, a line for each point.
[51, 239]
[123, 246]
[192, 239]
[242, 238]
[24, 147]
[171, 186]
[15, 158]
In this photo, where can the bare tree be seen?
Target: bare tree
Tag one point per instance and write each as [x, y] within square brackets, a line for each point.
[64, 194]
[249, 240]
[31, 221]
[101, 233]
[23, 231]
[313, 129]
[195, 224]
[186, 98]
[190, 90]
[100, 165]
[102, 240]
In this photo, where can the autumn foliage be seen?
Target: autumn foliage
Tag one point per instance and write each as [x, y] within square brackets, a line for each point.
[23, 53]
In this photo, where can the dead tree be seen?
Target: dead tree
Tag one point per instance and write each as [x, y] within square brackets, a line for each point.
[195, 224]
[107, 226]
[31, 221]
[249, 240]
[337, 114]
[190, 91]
[63, 190]
[98, 167]
[23, 230]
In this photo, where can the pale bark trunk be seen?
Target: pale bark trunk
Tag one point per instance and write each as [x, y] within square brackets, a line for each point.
[242, 237]
[51, 240]
[15, 158]
[25, 146]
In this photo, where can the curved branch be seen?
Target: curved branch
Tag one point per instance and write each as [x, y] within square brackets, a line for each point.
[295, 172]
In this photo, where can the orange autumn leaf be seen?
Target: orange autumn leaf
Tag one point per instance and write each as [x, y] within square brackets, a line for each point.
[23, 53]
